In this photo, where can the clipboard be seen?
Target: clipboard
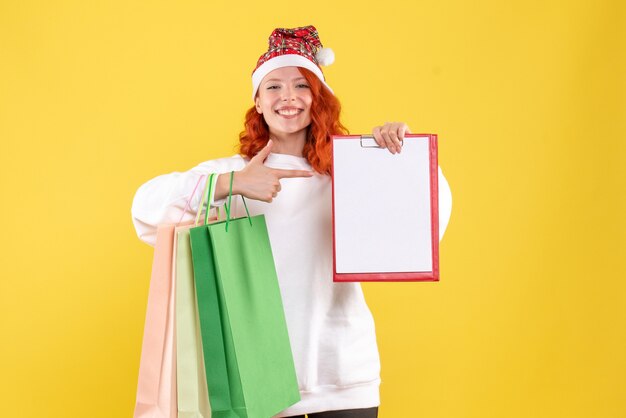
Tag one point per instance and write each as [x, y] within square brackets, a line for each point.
[385, 210]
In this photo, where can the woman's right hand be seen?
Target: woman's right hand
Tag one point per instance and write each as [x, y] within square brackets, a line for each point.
[255, 180]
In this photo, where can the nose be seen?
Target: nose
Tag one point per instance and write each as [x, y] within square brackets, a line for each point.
[289, 93]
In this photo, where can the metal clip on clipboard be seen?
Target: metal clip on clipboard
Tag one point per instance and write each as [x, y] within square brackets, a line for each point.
[368, 141]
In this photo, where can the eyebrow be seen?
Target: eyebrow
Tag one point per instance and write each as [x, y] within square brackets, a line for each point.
[280, 80]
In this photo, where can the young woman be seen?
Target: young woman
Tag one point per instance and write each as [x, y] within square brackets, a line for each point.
[284, 169]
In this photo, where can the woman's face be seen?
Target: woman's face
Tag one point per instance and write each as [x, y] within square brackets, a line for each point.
[284, 99]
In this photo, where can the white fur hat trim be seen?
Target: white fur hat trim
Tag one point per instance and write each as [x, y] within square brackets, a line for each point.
[287, 60]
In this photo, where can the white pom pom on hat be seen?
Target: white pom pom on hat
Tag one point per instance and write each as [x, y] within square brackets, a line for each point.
[297, 47]
[325, 56]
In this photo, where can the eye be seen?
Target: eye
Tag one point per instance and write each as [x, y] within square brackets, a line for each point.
[272, 87]
[302, 85]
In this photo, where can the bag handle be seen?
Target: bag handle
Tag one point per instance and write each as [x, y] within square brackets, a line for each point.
[208, 193]
[189, 200]
[205, 197]
[230, 196]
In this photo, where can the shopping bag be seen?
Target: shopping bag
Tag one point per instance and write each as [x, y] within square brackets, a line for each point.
[156, 385]
[193, 398]
[248, 360]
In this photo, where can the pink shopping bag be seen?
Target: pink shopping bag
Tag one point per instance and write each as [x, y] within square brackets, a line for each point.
[156, 386]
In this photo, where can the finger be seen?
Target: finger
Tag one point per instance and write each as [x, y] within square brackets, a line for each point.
[386, 136]
[402, 131]
[265, 151]
[282, 174]
[393, 134]
[267, 197]
[378, 137]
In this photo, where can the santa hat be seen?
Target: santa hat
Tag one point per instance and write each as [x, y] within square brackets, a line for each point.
[297, 47]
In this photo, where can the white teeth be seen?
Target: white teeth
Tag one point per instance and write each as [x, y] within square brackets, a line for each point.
[288, 112]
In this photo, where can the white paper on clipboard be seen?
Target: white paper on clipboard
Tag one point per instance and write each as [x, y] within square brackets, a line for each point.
[383, 206]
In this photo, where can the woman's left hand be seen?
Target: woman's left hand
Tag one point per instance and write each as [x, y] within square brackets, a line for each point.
[390, 135]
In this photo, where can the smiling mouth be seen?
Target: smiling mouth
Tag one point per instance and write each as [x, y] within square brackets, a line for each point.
[289, 112]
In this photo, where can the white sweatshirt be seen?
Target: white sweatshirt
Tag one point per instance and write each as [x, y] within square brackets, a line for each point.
[331, 329]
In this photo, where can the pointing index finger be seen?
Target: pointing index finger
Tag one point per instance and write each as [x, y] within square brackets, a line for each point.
[265, 151]
[281, 173]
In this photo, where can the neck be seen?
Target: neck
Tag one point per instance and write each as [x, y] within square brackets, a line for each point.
[290, 144]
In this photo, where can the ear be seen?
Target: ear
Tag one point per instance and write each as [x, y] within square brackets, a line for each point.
[257, 104]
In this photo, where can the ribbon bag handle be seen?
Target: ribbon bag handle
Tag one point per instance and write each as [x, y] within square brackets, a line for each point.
[206, 196]
[228, 206]
[190, 198]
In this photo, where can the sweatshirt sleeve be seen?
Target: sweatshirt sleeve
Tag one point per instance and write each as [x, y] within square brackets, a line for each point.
[163, 199]
[445, 203]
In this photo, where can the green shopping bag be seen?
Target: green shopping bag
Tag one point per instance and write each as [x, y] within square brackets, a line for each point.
[247, 355]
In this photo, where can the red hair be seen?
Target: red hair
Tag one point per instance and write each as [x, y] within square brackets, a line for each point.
[325, 111]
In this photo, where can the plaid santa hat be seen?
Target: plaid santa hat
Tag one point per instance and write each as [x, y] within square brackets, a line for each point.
[297, 47]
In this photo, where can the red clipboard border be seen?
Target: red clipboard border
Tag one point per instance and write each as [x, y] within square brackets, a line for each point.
[417, 276]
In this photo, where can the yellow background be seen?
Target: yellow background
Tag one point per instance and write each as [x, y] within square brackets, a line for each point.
[529, 101]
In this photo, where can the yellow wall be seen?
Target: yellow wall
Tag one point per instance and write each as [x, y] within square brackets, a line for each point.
[529, 101]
